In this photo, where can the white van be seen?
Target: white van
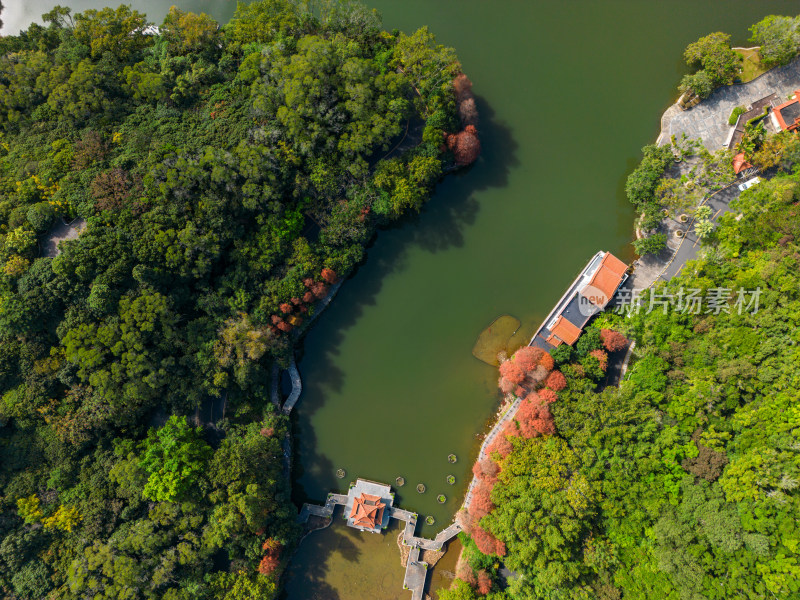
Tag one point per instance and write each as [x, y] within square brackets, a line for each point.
[749, 183]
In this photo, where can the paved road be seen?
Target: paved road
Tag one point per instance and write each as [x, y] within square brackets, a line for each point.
[720, 204]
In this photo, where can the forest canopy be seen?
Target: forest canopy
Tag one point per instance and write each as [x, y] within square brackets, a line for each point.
[217, 180]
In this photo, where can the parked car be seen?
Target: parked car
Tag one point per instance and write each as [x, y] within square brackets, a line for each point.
[749, 183]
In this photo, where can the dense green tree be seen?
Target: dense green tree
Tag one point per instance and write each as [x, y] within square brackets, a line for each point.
[778, 38]
[713, 53]
[544, 509]
[174, 457]
[641, 184]
[699, 83]
[119, 31]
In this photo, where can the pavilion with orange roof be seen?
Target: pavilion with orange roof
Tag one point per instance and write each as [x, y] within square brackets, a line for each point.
[367, 511]
[369, 506]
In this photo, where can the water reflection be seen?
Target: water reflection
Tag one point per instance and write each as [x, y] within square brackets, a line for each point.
[341, 563]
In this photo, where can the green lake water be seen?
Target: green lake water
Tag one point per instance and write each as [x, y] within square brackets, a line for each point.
[568, 92]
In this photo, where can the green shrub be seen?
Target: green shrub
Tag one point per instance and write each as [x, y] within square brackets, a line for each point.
[651, 219]
[699, 83]
[735, 115]
[561, 354]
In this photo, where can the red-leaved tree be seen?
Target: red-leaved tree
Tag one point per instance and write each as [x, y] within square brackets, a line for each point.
[613, 341]
[462, 86]
[271, 559]
[601, 357]
[484, 583]
[329, 275]
[320, 290]
[286, 307]
[487, 543]
[465, 145]
[500, 443]
[556, 381]
[481, 503]
[511, 371]
[487, 470]
[506, 386]
[548, 396]
[465, 573]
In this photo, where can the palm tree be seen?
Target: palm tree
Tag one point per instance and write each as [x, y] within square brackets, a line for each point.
[703, 228]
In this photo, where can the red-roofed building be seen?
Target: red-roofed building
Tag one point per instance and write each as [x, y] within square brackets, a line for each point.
[589, 294]
[367, 511]
[605, 281]
[787, 114]
[740, 164]
[563, 331]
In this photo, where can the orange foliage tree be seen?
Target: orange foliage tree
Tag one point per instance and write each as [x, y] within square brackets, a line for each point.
[547, 361]
[527, 357]
[481, 503]
[548, 396]
[534, 418]
[511, 371]
[613, 341]
[601, 357]
[556, 381]
[484, 583]
[271, 559]
[329, 275]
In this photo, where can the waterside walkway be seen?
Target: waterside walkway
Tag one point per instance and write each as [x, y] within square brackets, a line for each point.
[495, 431]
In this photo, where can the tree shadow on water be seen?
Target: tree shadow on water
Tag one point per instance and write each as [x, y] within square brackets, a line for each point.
[308, 576]
[453, 207]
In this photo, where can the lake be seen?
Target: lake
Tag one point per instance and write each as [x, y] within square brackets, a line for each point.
[568, 93]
